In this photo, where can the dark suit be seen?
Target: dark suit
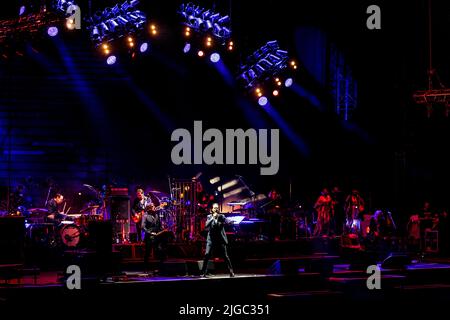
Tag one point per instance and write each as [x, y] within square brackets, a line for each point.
[151, 224]
[139, 206]
[216, 240]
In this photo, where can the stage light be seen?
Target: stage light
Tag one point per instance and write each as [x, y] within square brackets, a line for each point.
[111, 60]
[106, 51]
[117, 22]
[70, 24]
[143, 47]
[215, 57]
[214, 180]
[52, 31]
[130, 39]
[262, 101]
[200, 53]
[187, 48]
[288, 82]
[279, 83]
[205, 21]
[275, 93]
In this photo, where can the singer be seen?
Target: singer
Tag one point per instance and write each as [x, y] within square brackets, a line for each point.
[216, 239]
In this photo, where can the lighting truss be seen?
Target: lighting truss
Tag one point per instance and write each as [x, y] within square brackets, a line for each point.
[433, 97]
[27, 27]
[119, 21]
[206, 21]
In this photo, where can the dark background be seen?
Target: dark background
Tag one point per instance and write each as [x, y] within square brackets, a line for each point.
[80, 121]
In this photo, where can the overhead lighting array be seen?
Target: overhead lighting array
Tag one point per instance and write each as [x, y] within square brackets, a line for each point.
[206, 32]
[267, 71]
[14, 33]
[119, 27]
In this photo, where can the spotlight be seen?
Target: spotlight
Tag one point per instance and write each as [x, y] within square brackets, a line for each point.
[111, 60]
[215, 57]
[143, 47]
[262, 101]
[200, 53]
[187, 48]
[288, 82]
[118, 22]
[265, 63]
[205, 21]
[52, 31]
[275, 93]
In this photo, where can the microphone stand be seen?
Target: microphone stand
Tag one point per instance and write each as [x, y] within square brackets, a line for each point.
[48, 195]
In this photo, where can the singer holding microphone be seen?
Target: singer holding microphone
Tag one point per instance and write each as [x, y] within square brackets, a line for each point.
[216, 239]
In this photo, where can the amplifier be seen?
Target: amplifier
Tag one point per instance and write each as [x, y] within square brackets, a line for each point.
[119, 191]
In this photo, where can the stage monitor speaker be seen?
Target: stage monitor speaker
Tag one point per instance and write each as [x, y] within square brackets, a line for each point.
[12, 236]
[396, 261]
[101, 237]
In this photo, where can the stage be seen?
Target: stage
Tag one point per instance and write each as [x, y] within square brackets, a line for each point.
[283, 282]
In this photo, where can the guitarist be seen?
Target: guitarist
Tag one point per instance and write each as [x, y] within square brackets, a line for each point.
[140, 205]
[151, 224]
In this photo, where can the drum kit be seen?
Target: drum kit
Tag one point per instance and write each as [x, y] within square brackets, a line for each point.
[44, 229]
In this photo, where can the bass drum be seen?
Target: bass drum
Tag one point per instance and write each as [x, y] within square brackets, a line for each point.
[70, 235]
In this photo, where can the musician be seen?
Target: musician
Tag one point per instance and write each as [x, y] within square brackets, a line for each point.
[140, 204]
[273, 215]
[216, 239]
[53, 208]
[324, 208]
[354, 206]
[151, 224]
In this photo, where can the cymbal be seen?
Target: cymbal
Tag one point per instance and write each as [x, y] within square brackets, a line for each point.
[38, 210]
[89, 208]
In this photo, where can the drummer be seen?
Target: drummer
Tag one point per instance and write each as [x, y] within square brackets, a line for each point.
[53, 208]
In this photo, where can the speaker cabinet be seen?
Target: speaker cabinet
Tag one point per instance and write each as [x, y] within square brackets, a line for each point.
[12, 236]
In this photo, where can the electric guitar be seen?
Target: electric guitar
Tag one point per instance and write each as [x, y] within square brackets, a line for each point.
[138, 215]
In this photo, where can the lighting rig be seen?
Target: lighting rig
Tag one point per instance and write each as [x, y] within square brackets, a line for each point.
[15, 33]
[206, 32]
[30, 27]
[266, 72]
[120, 28]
